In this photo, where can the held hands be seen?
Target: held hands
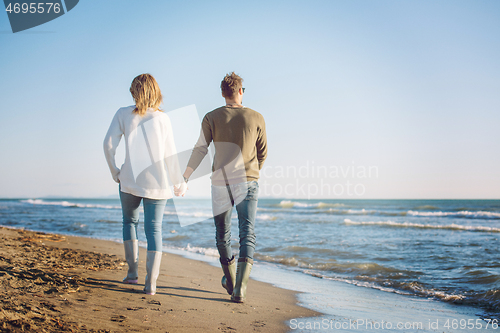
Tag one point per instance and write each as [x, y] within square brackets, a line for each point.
[180, 190]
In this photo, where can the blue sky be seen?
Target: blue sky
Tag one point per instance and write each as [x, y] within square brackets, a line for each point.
[409, 88]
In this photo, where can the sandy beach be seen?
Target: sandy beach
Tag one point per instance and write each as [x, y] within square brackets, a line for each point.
[71, 284]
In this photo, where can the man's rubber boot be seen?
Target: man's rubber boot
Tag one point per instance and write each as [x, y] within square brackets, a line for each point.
[229, 279]
[153, 261]
[132, 258]
[242, 274]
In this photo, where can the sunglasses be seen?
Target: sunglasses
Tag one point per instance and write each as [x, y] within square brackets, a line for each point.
[243, 89]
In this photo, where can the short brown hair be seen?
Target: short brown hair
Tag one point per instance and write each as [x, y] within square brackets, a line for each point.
[146, 93]
[231, 84]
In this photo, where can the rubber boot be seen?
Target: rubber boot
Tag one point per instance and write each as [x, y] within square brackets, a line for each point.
[229, 279]
[242, 274]
[132, 258]
[153, 261]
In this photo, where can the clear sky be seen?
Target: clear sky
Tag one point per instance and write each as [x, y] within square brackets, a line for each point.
[405, 93]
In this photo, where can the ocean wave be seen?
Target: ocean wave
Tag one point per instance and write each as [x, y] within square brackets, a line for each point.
[489, 300]
[287, 261]
[211, 252]
[424, 226]
[356, 212]
[397, 287]
[375, 276]
[416, 288]
[419, 211]
[314, 252]
[458, 214]
[266, 217]
[295, 204]
[350, 268]
[428, 207]
[81, 205]
[462, 213]
[68, 204]
[482, 276]
[108, 221]
[363, 281]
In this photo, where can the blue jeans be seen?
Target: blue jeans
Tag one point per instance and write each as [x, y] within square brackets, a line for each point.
[153, 218]
[244, 195]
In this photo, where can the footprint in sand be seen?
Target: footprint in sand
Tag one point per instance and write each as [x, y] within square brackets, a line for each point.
[118, 318]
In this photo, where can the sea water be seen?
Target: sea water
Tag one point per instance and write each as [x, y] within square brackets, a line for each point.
[445, 250]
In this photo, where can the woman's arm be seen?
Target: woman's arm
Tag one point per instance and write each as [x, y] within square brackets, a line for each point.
[110, 144]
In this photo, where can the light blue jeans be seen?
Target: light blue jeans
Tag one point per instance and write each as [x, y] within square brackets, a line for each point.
[153, 218]
[244, 196]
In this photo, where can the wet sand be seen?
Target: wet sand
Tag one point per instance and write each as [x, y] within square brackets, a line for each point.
[52, 283]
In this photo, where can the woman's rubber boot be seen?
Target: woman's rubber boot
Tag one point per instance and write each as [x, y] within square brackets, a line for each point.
[229, 279]
[242, 274]
[153, 261]
[132, 258]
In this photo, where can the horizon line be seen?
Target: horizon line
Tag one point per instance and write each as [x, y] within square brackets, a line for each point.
[275, 198]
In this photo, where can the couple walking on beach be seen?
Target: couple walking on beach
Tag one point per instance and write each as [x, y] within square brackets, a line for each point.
[239, 136]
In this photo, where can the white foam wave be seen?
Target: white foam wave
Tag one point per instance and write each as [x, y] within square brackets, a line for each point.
[266, 217]
[334, 209]
[201, 250]
[425, 226]
[465, 213]
[367, 284]
[68, 204]
[360, 212]
[409, 288]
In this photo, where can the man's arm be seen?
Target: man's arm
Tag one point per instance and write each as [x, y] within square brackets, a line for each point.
[189, 171]
[261, 144]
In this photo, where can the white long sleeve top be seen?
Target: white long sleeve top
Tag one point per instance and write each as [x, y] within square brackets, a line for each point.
[150, 153]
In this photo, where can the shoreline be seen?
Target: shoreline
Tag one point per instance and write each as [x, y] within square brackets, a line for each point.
[346, 307]
[50, 284]
[189, 294]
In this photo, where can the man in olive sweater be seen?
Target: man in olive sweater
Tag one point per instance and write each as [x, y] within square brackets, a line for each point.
[239, 137]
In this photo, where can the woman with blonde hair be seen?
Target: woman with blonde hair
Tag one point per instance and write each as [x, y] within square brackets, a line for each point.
[150, 155]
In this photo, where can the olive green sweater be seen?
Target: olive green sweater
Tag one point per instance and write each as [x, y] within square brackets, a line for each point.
[239, 136]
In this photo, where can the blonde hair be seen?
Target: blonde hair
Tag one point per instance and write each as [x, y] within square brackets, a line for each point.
[146, 93]
[231, 84]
